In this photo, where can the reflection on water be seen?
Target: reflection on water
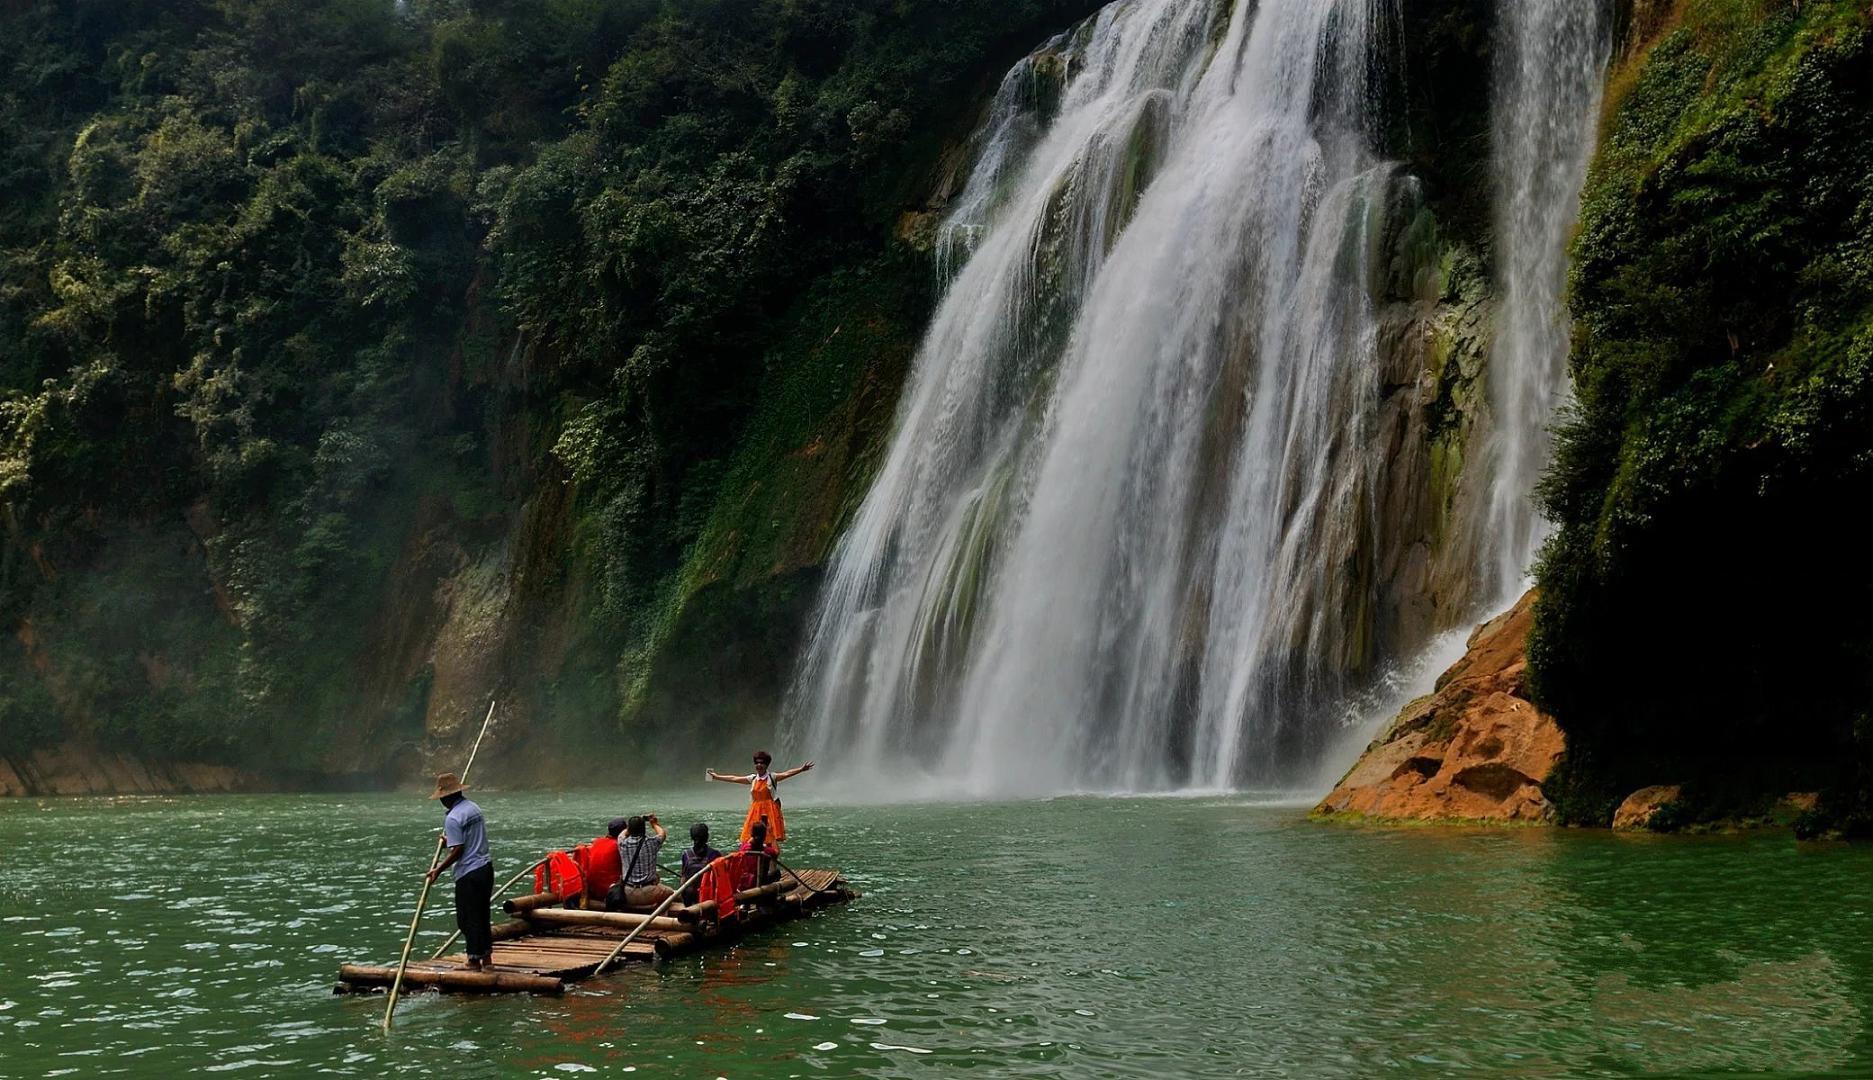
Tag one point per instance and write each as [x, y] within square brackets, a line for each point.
[1071, 937]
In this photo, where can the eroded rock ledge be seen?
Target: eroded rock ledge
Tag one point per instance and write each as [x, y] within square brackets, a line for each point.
[1476, 749]
[77, 769]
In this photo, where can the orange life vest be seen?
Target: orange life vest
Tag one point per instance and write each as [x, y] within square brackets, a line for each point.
[559, 875]
[719, 883]
[764, 805]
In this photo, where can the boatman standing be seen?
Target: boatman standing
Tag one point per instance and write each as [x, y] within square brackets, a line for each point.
[465, 831]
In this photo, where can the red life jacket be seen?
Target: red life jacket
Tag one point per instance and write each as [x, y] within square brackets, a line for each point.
[559, 875]
[750, 862]
[601, 867]
[720, 881]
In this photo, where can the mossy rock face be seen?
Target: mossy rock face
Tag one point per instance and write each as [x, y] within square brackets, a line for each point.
[1461, 337]
[1703, 613]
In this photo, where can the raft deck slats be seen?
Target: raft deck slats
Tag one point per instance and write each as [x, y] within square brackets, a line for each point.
[815, 880]
[545, 958]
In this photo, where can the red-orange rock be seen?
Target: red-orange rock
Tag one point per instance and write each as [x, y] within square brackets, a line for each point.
[1474, 750]
[1637, 810]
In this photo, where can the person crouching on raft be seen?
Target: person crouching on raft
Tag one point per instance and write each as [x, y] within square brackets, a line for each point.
[764, 803]
[465, 831]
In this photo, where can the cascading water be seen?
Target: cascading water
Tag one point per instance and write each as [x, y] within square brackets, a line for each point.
[1552, 71]
[1128, 534]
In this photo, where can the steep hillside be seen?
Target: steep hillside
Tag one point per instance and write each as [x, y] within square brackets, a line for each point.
[361, 361]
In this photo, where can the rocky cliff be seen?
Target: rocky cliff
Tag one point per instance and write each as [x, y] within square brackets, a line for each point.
[362, 363]
[76, 769]
[1701, 639]
[1476, 749]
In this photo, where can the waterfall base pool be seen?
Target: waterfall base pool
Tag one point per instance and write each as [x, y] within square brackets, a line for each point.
[1072, 937]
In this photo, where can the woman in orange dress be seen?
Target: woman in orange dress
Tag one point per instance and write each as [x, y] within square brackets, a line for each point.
[764, 805]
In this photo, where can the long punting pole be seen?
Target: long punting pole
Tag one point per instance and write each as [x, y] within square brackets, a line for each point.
[450, 940]
[632, 936]
[422, 898]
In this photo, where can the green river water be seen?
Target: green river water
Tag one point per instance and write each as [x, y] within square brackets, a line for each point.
[1072, 938]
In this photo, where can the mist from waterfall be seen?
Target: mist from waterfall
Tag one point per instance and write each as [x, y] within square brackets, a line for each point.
[1552, 70]
[1126, 533]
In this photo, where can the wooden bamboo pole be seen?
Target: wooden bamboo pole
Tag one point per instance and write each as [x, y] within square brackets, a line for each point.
[705, 911]
[667, 901]
[676, 944]
[486, 982]
[617, 920]
[457, 932]
[531, 901]
[512, 928]
[422, 898]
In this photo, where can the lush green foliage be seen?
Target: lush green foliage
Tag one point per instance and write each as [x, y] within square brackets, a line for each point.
[288, 291]
[218, 307]
[1707, 607]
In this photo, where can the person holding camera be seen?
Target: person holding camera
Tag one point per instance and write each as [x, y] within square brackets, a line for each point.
[638, 850]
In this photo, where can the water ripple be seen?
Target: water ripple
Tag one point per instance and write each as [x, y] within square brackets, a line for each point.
[1072, 938]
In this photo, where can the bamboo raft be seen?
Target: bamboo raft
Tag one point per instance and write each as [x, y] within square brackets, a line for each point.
[543, 946]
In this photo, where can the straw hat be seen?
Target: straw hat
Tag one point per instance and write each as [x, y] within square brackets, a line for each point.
[447, 784]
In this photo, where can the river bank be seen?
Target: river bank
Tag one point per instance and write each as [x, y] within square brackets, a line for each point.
[81, 767]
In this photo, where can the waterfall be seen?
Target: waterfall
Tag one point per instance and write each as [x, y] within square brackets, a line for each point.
[1129, 533]
[1552, 68]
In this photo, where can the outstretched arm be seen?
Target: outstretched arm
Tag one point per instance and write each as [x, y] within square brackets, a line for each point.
[791, 773]
[726, 778]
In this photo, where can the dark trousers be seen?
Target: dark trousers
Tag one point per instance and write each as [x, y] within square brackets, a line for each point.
[474, 891]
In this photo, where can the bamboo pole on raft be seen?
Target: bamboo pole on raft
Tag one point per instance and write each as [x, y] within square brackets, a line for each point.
[422, 898]
[632, 936]
[497, 895]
